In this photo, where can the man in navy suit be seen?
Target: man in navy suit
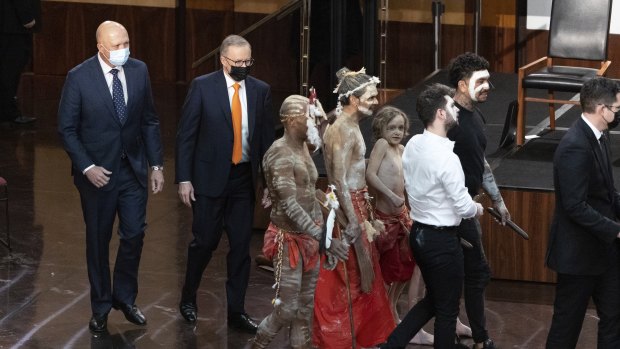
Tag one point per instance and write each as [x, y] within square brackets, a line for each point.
[226, 127]
[583, 240]
[109, 128]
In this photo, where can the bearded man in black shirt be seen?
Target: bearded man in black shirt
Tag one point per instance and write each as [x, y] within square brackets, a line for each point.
[469, 75]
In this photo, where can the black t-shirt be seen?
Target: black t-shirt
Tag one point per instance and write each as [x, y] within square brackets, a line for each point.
[469, 145]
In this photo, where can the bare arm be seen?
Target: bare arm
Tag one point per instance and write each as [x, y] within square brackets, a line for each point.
[489, 185]
[374, 163]
[338, 156]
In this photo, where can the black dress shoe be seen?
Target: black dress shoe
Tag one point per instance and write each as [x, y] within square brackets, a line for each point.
[132, 313]
[98, 323]
[189, 311]
[488, 344]
[242, 322]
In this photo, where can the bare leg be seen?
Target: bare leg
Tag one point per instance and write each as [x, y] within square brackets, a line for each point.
[394, 292]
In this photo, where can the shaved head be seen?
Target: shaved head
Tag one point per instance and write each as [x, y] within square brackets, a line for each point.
[111, 36]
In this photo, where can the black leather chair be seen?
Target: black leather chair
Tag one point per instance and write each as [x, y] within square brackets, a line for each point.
[579, 30]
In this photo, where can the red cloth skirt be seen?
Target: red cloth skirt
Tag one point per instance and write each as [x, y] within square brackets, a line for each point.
[300, 245]
[371, 311]
[396, 259]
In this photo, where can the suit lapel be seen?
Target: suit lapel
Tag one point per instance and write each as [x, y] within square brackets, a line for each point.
[221, 91]
[250, 94]
[102, 87]
[598, 153]
[130, 79]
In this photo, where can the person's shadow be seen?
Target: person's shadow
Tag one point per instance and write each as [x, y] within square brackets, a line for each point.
[123, 340]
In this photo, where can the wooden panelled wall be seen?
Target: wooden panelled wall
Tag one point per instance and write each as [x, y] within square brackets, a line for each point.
[67, 38]
[510, 256]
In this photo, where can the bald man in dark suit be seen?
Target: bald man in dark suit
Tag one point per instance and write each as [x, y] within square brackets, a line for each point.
[109, 128]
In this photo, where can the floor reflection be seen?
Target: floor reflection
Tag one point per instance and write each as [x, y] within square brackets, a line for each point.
[43, 284]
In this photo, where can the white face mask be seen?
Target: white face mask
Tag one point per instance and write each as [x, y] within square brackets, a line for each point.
[118, 57]
[473, 90]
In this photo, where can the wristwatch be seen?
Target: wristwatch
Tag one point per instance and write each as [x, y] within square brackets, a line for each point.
[157, 168]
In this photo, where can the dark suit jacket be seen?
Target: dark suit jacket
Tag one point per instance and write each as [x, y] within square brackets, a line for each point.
[584, 228]
[15, 13]
[205, 135]
[90, 130]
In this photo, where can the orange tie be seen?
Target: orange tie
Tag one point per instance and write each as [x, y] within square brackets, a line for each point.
[236, 121]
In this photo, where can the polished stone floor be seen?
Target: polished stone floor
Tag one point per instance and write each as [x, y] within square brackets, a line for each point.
[44, 296]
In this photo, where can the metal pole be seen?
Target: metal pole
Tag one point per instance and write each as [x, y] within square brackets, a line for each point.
[383, 43]
[477, 14]
[438, 9]
[338, 19]
[304, 47]
[370, 24]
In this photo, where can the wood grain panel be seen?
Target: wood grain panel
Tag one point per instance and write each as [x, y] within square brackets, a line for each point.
[510, 256]
[68, 36]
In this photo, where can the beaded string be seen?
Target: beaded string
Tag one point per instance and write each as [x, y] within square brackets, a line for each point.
[278, 270]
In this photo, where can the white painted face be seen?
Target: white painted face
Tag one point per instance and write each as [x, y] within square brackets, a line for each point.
[368, 100]
[479, 85]
[452, 110]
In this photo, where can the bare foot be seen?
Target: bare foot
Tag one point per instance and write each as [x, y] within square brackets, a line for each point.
[462, 330]
[423, 338]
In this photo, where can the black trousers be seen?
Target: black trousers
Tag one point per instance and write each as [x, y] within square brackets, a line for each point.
[440, 257]
[477, 277]
[15, 51]
[572, 294]
[233, 212]
[128, 201]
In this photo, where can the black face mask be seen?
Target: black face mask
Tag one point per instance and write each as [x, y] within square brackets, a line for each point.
[239, 73]
[615, 122]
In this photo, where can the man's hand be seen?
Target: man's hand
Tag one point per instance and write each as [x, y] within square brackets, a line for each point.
[266, 200]
[339, 249]
[501, 208]
[479, 209]
[353, 231]
[157, 181]
[98, 176]
[186, 193]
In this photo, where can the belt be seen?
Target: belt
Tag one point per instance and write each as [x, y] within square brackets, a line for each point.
[435, 227]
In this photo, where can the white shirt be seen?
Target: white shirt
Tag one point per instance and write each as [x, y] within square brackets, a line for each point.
[245, 131]
[435, 182]
[108, 76]
[597, 133]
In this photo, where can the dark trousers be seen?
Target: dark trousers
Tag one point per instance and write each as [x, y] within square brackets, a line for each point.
[440, 257]
[233, 212]
[477, 277]
[572, 295]
[128, 201]
[15, 52]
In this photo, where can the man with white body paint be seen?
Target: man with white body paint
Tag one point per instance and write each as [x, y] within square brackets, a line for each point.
[344, 151]
[469, 74]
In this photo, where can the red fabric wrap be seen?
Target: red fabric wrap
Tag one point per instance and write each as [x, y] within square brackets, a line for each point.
[396, 260]
[299, 245]
[371, 311]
